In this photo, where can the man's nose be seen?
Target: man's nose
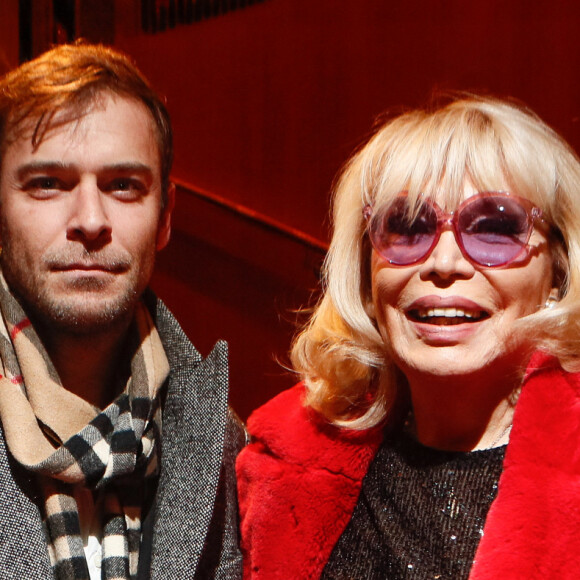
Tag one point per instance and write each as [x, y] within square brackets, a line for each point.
[89, 220]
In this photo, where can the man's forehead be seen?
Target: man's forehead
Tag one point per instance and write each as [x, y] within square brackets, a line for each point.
[106, 140]
[41, 125]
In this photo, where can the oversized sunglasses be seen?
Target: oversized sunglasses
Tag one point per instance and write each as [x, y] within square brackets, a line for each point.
[492, 229]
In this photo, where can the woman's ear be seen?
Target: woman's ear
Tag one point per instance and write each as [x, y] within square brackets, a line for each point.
[553, 298]
[370, 308]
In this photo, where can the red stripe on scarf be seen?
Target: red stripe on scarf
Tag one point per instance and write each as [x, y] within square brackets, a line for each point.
[20, 326]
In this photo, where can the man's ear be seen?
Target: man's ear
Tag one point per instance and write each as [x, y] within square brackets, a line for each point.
[164, 231]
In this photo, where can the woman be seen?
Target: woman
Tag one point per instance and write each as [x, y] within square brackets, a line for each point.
[433, 366]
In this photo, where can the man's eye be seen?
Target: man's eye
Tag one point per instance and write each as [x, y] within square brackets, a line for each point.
[126, 188]
[44, 186]
[47, 183]
[44, 182]
[123, 184]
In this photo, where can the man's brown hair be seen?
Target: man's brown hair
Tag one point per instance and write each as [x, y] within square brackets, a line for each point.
[62, 84]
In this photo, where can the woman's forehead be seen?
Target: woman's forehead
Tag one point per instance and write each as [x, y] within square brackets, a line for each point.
[448, 193]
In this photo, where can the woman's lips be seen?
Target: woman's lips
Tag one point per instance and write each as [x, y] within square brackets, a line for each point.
[445, 311]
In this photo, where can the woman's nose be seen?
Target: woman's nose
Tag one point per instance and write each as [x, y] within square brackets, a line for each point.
[447, 260]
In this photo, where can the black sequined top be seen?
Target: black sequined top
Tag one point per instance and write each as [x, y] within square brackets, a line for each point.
[420, 514]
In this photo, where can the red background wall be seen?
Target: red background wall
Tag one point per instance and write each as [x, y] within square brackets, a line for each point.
[270, 100]
[8, 34]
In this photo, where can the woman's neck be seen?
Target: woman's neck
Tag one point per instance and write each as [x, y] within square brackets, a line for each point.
[462, 413]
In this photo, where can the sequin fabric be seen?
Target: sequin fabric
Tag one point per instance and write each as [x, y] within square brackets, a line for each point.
[420, 514]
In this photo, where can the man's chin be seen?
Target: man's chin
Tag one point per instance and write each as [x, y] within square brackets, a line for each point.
[88, 323]
[84, 316]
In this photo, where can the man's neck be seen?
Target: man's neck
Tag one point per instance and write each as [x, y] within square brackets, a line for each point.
[92, 366]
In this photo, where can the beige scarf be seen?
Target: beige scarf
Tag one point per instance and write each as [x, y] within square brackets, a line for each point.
[68, 443]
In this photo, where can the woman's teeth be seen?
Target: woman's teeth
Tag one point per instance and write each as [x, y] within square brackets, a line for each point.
[447, 315]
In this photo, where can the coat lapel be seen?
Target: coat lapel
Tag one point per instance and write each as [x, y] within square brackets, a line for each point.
[23, 551]
[194, 422]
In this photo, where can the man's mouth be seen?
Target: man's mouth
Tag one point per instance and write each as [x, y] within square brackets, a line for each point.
[112, 266]
[87, 267]
[75, 259]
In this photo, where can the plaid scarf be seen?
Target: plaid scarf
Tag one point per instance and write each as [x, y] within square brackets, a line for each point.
[109, 452]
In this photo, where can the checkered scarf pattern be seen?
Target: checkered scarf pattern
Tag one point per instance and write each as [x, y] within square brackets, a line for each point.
[112, 454]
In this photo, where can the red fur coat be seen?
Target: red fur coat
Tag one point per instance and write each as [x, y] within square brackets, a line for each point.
[300, 478]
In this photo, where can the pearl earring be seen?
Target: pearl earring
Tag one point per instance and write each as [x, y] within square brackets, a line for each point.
[551, 302]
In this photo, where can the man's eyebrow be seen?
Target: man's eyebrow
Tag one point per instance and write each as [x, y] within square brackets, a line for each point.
[41, 167]
[55, 166]
[129, 167]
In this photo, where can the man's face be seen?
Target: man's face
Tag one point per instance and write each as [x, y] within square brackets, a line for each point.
[81, 217]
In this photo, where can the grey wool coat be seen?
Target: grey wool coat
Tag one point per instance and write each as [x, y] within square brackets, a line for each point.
[191, 531]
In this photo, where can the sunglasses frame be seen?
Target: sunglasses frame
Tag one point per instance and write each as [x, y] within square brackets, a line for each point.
[451, 221]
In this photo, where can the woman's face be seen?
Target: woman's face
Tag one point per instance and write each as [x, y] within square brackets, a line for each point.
[446, 316]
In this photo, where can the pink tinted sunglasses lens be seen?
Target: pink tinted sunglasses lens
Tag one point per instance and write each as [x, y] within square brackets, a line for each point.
[402, 238]
[492, 231]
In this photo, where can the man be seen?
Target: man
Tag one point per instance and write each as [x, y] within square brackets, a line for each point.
[116, 443]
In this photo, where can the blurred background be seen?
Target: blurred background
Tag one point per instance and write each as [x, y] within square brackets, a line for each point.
[268, 100]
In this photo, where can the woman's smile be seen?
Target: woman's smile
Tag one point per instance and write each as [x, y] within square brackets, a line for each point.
[445, 311]
[445, 320]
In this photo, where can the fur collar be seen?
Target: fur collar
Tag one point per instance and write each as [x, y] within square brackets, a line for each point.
[532, 527]
[300, 478]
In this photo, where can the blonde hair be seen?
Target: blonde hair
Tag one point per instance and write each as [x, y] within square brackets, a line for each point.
[340, 355]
